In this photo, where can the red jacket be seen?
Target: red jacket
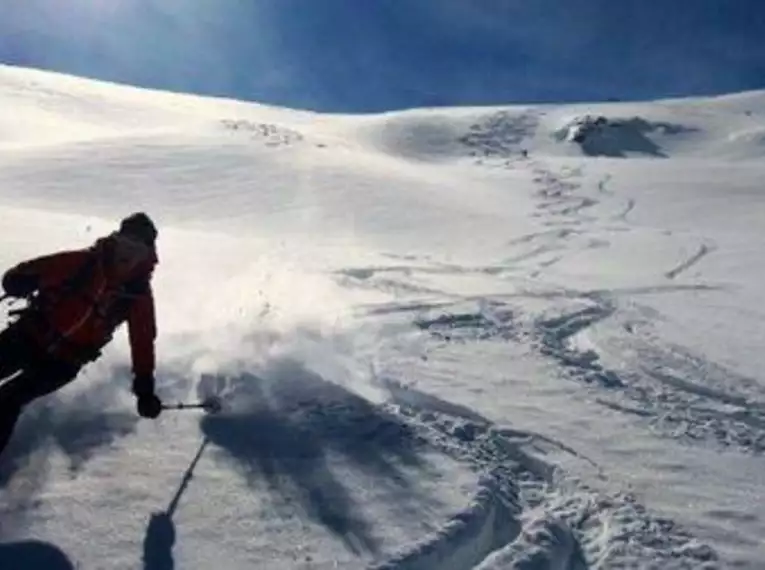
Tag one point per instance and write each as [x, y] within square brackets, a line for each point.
[81, 301]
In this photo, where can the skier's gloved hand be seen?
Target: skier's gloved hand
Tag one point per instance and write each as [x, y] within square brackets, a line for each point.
[19, 285]
[149, 406]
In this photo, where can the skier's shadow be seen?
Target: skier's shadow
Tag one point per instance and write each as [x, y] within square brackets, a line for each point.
[283, 424]
[158, 543]
[160, 533]
[79, 428]
[33, 554]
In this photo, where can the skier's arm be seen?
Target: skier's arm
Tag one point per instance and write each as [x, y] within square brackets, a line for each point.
[142, 330]
[41, 272]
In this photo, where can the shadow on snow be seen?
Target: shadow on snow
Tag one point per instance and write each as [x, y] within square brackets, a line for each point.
[78, 427]
[284, 424]
[33, 554]
[160, 532]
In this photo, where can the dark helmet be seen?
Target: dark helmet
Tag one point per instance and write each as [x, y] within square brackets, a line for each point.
[139, 226]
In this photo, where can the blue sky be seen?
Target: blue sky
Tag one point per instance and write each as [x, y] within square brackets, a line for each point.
[371, 55]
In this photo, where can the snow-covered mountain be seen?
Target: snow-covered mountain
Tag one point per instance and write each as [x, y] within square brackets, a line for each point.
[464, 338]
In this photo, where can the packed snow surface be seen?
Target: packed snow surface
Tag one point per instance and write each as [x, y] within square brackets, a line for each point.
[445, 339]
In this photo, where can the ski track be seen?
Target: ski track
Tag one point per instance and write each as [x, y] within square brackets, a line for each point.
[500, 135]
[622, 216]
[562, 207]
[667, 397]
[666, 386]
[583, 365]
[603, 185]
[520, 517]
[531, 526]
[703, 251]
[670, 400]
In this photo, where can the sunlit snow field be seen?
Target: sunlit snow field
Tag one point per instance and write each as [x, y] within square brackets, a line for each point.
[456, 338]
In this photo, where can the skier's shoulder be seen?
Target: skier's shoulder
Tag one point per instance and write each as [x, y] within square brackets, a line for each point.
[58, 261]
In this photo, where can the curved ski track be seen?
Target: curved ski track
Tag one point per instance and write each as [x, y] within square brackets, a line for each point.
[519, 517]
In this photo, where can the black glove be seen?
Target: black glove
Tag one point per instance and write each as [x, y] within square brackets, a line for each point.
[149, 406]
[19, 285]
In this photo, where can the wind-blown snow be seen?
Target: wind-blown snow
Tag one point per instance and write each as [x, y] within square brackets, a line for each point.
[474, 338]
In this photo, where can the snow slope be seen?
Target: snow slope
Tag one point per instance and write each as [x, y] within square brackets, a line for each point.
[473, 338]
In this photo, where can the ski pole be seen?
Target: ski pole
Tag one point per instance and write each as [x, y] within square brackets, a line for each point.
[184, 406]
[211, 405]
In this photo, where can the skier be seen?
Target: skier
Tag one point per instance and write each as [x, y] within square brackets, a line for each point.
[76, 300]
